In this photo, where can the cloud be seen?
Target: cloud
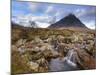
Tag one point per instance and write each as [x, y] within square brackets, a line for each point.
[85, 12]
[90, 24]
[87, 16]
[41, 21]
[42, 25]
[15, 19]
[37, 7]
[55, 12]
[51, 10]
[33, 6]
[80, 12]
[46, 13]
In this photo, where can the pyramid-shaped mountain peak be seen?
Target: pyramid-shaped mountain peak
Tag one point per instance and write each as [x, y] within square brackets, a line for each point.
[69, 21]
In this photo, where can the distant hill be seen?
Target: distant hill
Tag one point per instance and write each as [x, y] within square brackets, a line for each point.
[69, 21]
[24, 24]
[15, 25]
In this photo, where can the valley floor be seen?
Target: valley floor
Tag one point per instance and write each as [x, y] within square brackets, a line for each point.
[52, 50]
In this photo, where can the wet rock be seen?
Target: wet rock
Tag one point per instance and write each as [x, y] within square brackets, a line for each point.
[55, 54]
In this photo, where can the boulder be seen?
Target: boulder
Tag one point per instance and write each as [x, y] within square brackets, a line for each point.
[33, 66]
[21, 49]
[37, 40]
[20, 42]
[46, 46]
[34, 49]
[54, 53]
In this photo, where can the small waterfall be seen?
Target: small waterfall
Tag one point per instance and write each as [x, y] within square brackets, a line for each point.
[68, 63]
[70, 58]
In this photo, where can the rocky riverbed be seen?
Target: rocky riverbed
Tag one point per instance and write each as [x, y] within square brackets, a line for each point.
[48, 50]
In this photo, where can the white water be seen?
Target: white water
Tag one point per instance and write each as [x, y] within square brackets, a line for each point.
[70, 58]
[68, 63]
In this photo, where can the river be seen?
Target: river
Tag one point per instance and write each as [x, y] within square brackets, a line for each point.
[68, 63]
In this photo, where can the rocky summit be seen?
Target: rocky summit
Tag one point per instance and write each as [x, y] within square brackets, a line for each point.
[36, 50]
[69, 21]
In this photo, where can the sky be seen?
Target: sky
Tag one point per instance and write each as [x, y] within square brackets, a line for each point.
[45, 14]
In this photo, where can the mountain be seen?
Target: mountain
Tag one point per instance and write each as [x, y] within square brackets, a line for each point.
[23, 24]
[15, 25]
[69, 21]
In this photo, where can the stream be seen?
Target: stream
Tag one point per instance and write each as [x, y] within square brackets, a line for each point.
[68, 63]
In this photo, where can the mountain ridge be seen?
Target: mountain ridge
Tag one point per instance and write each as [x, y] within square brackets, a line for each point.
[69, 21]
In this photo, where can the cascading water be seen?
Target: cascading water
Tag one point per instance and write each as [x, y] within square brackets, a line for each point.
[66, 64]
[70, 58]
